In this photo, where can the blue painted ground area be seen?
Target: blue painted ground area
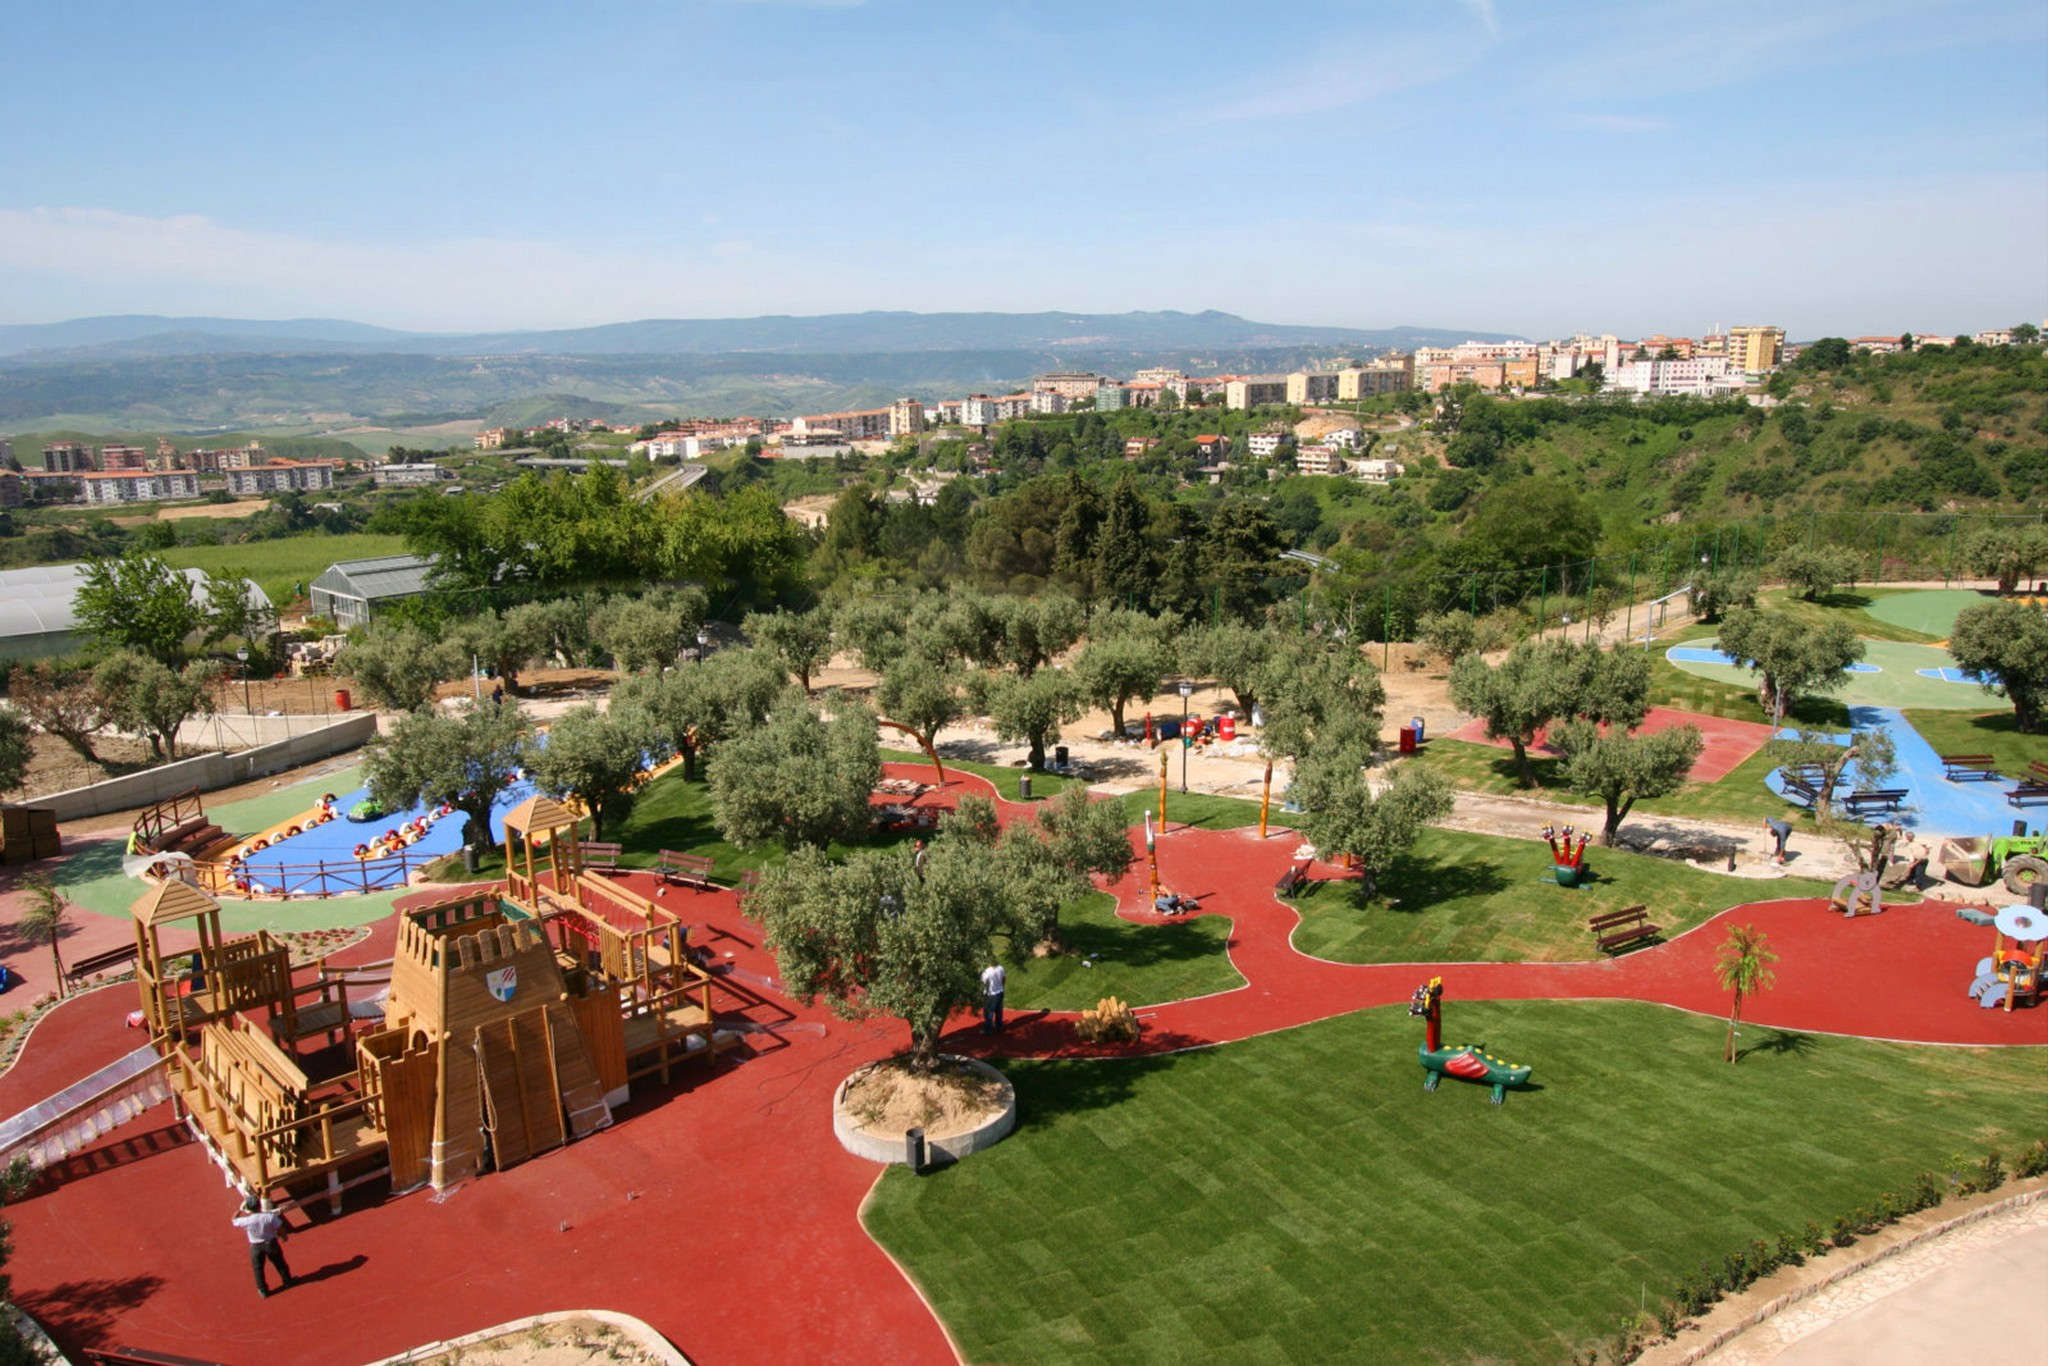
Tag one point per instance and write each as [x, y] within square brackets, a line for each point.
[1695, 654]
[1955, 676]
[334, 843]
[1936, 807]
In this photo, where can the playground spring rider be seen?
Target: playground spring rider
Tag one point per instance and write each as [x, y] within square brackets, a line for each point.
[1862, 893]
[2012, 973]
[1466, 1062]
[1567, 860]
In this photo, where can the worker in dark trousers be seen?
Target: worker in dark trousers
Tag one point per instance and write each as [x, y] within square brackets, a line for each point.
[264, 1226]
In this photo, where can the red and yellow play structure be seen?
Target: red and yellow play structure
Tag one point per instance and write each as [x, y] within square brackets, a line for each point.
[2012, 976]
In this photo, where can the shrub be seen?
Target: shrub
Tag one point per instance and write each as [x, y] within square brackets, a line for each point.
[1844, 1233]
[1991, 1174]
[1111, 1021]
[1788, 1251]
[2033, 1160]
[1927, 1191]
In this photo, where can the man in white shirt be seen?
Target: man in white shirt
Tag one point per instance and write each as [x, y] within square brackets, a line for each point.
[264, 1226]
[992, 999]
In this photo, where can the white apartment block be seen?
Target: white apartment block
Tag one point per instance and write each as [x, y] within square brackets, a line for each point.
[1012, 406]
[1319, 459]
[280, 476]
[139, 486]
[1376, 471]
[1048, 401]
[979, 410]
[1700, 377]
[1264, 444]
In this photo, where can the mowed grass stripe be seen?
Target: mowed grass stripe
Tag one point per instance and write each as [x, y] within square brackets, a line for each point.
[1299, 1194]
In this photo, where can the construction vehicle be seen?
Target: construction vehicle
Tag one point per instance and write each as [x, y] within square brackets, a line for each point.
[2019, 861]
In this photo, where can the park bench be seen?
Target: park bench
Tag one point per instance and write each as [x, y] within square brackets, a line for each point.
[2029, 791]
[693, 869]
[1291, 880]
[1619, 929]
[1959, 766]
[1883, 799]
[598, 855]
[81, 968]
[1802, 790]
[2037, 772]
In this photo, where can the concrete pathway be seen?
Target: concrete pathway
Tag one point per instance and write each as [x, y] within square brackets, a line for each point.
[1954, 1298]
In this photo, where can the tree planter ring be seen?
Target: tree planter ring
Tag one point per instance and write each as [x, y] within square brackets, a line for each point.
[886, 1145]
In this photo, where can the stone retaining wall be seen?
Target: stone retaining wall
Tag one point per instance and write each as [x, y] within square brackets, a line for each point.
[207, 772]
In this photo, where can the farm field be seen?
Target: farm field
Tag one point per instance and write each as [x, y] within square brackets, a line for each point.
[278, 566]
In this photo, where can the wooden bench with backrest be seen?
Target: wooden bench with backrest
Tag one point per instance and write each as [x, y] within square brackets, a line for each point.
[1955, 767]
[691, 869]
[2037, 772]
[81, 968]
[1802, 790]
[599, 856]
[1291, 881]
[1883, 799]
[1619, 929]
[2032, 790]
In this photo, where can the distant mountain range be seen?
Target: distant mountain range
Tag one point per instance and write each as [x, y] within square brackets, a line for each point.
[307, 375]
[140, 335]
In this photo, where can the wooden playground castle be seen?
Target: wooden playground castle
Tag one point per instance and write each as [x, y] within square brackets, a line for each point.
[512, 1021]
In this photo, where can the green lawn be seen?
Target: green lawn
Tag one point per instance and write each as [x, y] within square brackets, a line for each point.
[1850, 605]
[1671, 686]
[1002, 775]
[1300, 1197]
[1993, 732]
[279, 566]
[1138, 964]
[1740, 798]
[1459, 897]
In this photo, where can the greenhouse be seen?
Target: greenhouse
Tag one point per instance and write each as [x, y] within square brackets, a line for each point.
[38, 611]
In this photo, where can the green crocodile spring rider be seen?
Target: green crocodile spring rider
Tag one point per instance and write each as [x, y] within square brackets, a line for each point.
[1467, 1062]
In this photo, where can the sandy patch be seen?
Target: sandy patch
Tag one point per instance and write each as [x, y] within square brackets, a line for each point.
[889, 1098]
[567, 1342]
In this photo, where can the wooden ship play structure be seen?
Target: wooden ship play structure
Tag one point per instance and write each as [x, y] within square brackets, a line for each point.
[510, 1021]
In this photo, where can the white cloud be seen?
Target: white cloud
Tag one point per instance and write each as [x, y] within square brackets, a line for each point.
[1357, 74]
[1482, 10]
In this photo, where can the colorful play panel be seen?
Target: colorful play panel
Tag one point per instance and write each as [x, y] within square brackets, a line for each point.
[719, 1207]
[1931, 611]
[1727, 743]
[1890, 675]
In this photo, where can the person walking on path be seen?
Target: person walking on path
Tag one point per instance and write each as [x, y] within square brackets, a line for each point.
[1780, 832]
[992, 999]
[264, 1226]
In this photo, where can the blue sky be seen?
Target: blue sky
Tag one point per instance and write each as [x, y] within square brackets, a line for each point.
[1867, 166]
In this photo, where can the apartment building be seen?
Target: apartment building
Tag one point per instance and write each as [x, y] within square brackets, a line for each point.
[1319, 458]
[490, 439]
[1159, 375]
[1048, 401]
[866, 424]
[1254, 391]
[1755, 350]
[1266, 443]
[1069, 384]
[279, 476]
[1138, 445]
[1700, 377]
[12, 488]
[1311, 386]
[1389, 375]
[139, 486]
[388, 476]
[1877, 346]
[1212, 446]
[1011, 406]
[67, 457]
[120, 459]
[1143, 393]
[906, 417]
[979, 410]
[1110, 397]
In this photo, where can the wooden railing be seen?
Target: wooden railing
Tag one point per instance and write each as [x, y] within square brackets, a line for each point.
[169, 814]
[307, 881]
[277, 1150]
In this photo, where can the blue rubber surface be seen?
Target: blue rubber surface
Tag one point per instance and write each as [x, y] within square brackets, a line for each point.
[1694, 654]
[1954, 676]
[1936, 807]
[335, 842]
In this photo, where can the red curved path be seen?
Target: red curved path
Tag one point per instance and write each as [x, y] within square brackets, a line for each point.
[722, 1211]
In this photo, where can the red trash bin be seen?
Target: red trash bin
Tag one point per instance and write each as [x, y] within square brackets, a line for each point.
[1407, 739]
[1226, 728]
[342, 699]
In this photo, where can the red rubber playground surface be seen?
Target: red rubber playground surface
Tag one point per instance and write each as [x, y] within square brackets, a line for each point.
[722, 1211]
[1728, 743]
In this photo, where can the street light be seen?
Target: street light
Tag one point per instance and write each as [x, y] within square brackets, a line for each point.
[1186, 690]
[703, 642]
[242, 653]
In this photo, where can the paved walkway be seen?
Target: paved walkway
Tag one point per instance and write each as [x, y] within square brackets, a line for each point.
[1969, 1295]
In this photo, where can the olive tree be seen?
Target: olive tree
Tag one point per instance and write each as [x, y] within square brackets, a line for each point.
[1621, 769]
[1344, 817]
[399, 666]
[596, 757]
[147, 697]
[465, 760]
[801, 640]
[1791, 658]
[1032, 708]
[137, 602]
[2006, 645]
[801, 778]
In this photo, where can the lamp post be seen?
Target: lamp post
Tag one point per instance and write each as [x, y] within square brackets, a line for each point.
[1186, 690]
[703, 642]
[242, 653]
